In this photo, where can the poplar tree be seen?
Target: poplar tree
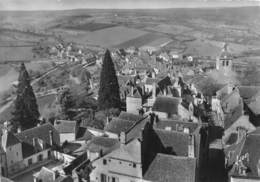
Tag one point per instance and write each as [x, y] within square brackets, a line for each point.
[108, 94]
[26, 114]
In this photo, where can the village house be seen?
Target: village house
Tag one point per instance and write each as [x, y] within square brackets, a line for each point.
[67, 130]
[29, 147]
[246, 155]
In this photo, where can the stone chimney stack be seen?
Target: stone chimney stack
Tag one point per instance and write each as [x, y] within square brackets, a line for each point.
[154, 91]
[191, 150]
[34, 142]
[122, 138]
[258, 168]
[132, 91]
[51, 137]
[153, 74]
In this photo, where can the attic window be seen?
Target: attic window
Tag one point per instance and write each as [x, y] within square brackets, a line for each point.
[104, 161]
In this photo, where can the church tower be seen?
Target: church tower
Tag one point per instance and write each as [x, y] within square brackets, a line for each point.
[225, 60]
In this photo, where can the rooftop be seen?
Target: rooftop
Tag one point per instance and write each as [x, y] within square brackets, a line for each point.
[118, 125]
[169, 168]
[167, 105]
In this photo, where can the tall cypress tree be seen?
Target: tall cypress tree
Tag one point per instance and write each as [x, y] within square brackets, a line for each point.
[26, 112]
[108, 94]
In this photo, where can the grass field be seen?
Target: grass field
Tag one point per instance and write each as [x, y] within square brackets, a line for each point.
[90, 26]
[107, 37]
[15, 53]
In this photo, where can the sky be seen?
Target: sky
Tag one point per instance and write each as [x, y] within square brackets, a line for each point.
[117, 4]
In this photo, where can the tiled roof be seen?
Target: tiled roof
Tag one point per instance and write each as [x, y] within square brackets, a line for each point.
[166, 104]
[131, 152]
[175, 124]
[64, 179]
[63, 126]
[233, 116]
[3, 179]
[130, 116]
[41, 132]
[46, 174]
[84, 134]
[254, 106]
[165, 82]
[118, 125]
[178, 142]
[96, 144]
[169, 168]
[150, 81]
[9, 139]
[247, 92]
[251, 147]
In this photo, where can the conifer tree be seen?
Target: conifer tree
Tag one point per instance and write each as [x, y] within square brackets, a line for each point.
[26, 112]
[108, 94]
[67, 103]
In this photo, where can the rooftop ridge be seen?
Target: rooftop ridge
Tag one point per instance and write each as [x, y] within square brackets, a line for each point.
[134, 124]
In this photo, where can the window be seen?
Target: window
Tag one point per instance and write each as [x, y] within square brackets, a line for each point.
[134, 165]
[29, 161]
[227, 63]
[49, 154]
[17, 153]
[114, 179]
[10, 149]
[104, 161]
[223, 63]
[40, 158]
[103, 178]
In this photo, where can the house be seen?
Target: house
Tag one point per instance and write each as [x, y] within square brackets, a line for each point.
[67, 130]
[99, 146]
[253, 109]
[28, 147]
[134, 101]
[247, 164]
[168, 107]
[48, 175]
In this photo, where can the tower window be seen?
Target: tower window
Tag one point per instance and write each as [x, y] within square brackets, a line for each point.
[227, 63]
[223, 63]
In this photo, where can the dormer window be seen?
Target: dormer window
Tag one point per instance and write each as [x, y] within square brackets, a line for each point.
[104, 161]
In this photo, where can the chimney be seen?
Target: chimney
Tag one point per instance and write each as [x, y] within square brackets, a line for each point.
[132, 91]
[179, 90]
[191, 151]
[51, 137]
[122, 138]
[165, 92]
[34, 142]
[19, 130]
[258, 168]
[153, 74]
[154, 91]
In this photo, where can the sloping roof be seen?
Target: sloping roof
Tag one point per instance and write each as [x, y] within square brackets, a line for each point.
[3, 179]
[254, 106]
[64, 179]
[247, 92]
[166, 104]
[251, 147]
[175, 124]
[165, 82]
[84, 134]
[169, 168]
[130, 152]
[118, 125]
[130, 116]
[178, 142]
[151, 81]
[96, 144]
[233, 116]
[46, 174]
[63, 126]
[9, 139]
[41, 132]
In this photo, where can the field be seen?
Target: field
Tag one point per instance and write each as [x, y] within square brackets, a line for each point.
[15, 53]
[90, 26]
[107, 37]
[140, 41]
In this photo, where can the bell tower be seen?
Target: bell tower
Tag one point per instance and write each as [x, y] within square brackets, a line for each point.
[225, 60]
